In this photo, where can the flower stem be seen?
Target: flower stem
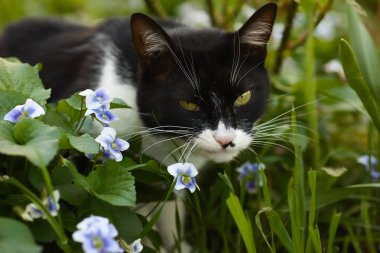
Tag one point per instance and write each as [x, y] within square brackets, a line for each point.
[53, 223]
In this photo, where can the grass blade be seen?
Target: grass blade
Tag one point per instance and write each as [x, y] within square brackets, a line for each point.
[335, 219]
[242, 222]
[357, 82]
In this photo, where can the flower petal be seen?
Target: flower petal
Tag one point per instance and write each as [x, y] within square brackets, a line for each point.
[105, 116]
[137, 246]
[191, 171]
[109, 131]
[32, 109]
[179, 184]
[89, 221]
[122, 144]
[14, 114]
[174, 169]
[86, 92]
[102, 96]
[116, 154]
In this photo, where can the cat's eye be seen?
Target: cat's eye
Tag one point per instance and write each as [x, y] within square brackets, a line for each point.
[189, 106]
[243, 98]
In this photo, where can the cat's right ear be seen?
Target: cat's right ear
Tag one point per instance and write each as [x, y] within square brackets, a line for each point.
[257, 30]
[149, 38]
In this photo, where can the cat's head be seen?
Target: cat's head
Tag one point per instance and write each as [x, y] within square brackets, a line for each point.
[208, 85]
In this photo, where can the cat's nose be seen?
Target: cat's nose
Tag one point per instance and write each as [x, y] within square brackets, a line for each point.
[225, 140]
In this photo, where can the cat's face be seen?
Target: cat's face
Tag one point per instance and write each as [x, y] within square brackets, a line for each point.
[207, 86]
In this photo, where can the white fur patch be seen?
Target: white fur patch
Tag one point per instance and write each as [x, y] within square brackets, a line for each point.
[213, 150]
[116, 87]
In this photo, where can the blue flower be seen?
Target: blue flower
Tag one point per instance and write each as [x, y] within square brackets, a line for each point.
[97, 235]
[32, 212]
[107, 139]
[95, 99]
[28, 110]
[371, 165]
[103, 114]
[252, 172]
[185, 173]
[136, 246]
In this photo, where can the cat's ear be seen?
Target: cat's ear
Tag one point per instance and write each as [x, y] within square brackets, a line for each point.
[149, 38]
[257, 30]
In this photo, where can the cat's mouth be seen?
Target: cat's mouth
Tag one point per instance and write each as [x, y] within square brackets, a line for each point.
[223, 145]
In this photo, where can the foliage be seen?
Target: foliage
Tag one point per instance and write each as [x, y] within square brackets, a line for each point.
[313, 196]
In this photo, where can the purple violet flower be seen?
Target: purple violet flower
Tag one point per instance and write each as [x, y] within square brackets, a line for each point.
[103, 114]
[107, 139]
[97, 235]
[28, 110]
[32, 212]
[252, 172]
[95, 99]
[185, 173]
[371, 164]
[136, 246]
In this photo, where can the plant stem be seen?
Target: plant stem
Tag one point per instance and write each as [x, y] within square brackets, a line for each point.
[212, 12]
[302, 38]
[53, 223]
[156, 8]
[292, 10]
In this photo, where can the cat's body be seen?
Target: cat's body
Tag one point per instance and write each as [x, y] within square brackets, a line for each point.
[206, 86]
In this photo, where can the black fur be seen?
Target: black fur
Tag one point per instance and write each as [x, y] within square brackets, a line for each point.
[72, 56]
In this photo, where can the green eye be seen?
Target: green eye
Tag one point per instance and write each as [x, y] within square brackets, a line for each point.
[189, 106]
[243, 98]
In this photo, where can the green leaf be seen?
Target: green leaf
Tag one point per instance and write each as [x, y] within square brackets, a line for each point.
[278, 227]
[84, 143]
[76, 101]
[15, 237]
[63, 181]
[113, 183]
[53, 118]
[365, 51]
[72, 114]
[18, 82]
[118, 103]
[29, 138]
[243, 223]
[226, 180]
[357, 82]
[126, 222]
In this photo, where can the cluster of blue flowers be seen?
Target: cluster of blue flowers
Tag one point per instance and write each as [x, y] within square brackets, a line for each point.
[98, 104]
[97, 235]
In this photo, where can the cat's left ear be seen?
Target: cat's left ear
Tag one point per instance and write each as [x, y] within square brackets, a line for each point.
[257, 30]
[149, 38]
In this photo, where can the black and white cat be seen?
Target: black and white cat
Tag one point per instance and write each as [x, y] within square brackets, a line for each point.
[205, 85]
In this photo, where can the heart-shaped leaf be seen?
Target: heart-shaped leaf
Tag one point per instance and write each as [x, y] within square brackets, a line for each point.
[29, 138]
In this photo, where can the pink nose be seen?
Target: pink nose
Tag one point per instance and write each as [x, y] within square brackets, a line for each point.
[225, 140]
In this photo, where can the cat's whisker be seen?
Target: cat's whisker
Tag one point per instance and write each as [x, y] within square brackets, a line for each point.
[141, 136]
[188, 143]
[270, 144]
[238, 70]
[175, 150]
[250, 70]
[162, 141]
[192, 149]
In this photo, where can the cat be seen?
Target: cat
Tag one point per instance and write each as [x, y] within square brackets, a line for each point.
[204, 86]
